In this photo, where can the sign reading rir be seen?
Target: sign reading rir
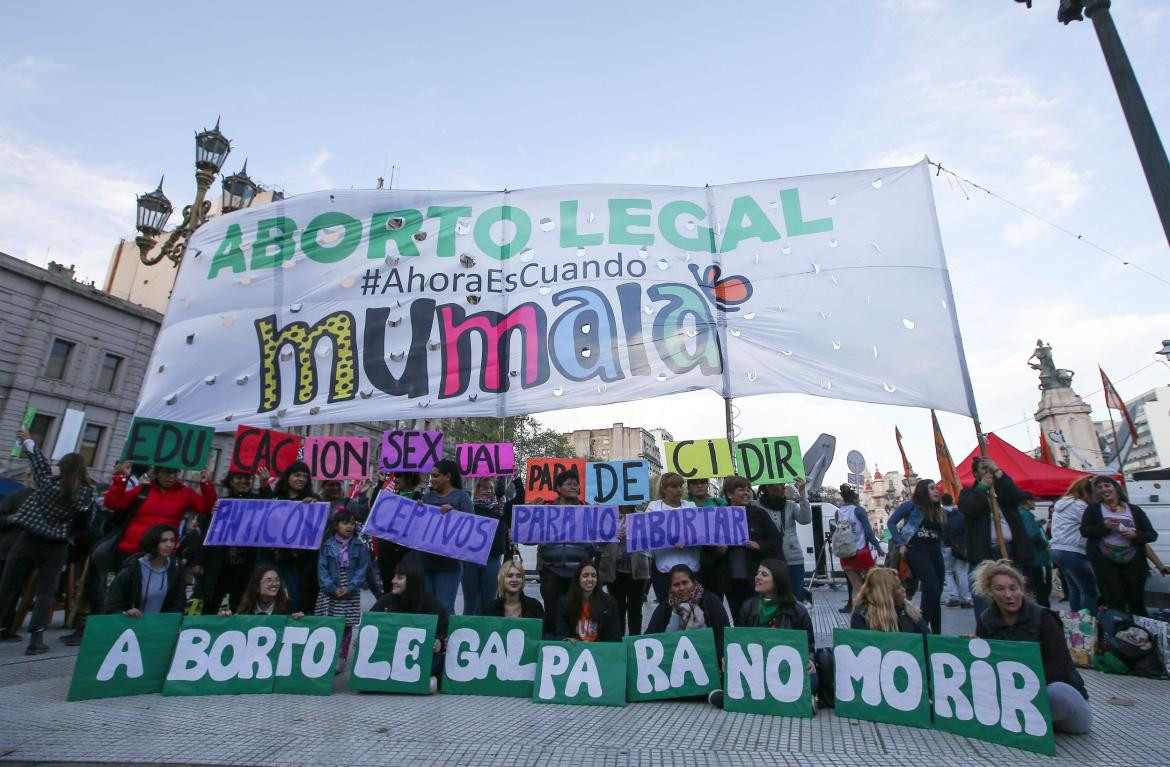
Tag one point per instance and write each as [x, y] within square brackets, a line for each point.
[501, 303]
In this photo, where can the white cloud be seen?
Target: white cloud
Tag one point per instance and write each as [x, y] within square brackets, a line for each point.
[26, 77]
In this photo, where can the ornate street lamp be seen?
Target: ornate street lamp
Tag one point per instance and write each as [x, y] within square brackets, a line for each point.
[238, 190]
[211, 149]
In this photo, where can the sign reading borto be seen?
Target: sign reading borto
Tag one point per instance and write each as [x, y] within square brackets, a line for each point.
[168, 443]
[124, 656]
[337, 457]
[491, 656]
[770, 460]
[687, 526]
[881, 676]
[564, 524]
[1002, 699]
[394, 653]
[415, 525]
[486, 459]
[257, 448]
[767, 672]
[582, 673]
[267, 524]
[675, 664]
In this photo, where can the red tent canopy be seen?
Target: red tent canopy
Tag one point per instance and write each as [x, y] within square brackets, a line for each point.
[1042, 479]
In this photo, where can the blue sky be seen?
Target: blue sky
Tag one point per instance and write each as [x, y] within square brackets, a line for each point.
[99, 100]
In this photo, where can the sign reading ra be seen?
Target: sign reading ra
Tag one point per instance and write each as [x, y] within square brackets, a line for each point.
[337, 457]
[410, 451]
[486, 459]
[267, 524]
[455, 534]
[491, 656]
[676, 664]
[553, 523]
[687, 526]
[168, 443]
[257, 448]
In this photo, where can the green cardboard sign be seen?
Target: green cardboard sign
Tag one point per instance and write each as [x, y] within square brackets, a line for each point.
[881, 677]
[394, 653]
[675, 664]
[308, 654]
[581, 673]
[124, 656]
[769, 460]
[26, 422]
[991, 690]
[766, 672]
[225, 655]
[491, 656]
[168, 443]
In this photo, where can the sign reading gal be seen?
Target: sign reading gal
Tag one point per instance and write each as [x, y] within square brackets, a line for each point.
[350, 305]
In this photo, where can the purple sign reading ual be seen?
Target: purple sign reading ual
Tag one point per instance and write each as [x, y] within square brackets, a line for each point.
[267, 524]
[454, 534]
[688, 526]
[565, 524]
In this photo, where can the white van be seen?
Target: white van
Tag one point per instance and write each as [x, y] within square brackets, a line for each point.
[1153, 495]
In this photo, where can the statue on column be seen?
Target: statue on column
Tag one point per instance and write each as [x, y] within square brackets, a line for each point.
[1051, 377]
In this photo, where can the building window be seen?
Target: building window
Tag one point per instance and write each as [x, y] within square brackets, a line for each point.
[91, 440]
[39, 429]
[58, 359]
[108, 375]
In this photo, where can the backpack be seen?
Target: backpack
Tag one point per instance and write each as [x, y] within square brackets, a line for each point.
[844, 543]
[105, 551]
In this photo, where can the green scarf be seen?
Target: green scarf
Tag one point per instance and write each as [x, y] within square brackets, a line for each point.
[769, 608]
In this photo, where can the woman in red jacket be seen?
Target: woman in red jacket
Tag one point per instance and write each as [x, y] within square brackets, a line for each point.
[167, 500]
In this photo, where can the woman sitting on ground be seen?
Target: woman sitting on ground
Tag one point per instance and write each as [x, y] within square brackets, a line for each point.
[408, 594]
[150, 582]
[689, 607]
[881, 605]
[512, 602]
[1012, 616]
[265, 595]
[587, 614]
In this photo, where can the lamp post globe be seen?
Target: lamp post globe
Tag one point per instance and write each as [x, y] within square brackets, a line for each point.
[238, 190]
[153, 211]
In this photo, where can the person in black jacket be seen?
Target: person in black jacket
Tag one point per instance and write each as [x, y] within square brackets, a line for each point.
[975, 505]
[298, 567]
[151, 582]
[737, 564]
[225, 570]
[587, 613]
[1014, 617]
[512, 602]
[408, 594]
[881, 605]
[1116, 533]
[688, 607]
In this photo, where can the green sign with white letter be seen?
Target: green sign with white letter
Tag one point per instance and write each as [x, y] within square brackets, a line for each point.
[225, 655]
[1001, 699]
[881, 677]
[308, 653]
[582, 673]
[124, 656]
[675, 664]
[394, 653]
[766, 672]
[491, 656]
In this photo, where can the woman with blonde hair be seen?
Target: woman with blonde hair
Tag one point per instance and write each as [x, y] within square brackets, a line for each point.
[1012, 616]
[881, 605]
[1068, 545]
[512, 602]
[670, 496]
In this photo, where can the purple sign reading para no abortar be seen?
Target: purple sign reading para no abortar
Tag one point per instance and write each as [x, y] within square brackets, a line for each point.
[267, 524]
[454, 534]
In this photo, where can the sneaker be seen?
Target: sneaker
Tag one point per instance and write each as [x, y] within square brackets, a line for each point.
[36, 643]
[72, 640]
[10, 636]
[953, 602]
[845, 609]
[434, 686]
[715, 698]
[970, 603]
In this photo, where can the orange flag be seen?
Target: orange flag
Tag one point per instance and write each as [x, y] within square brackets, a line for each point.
[949, 476]
[1113, 401]
[1046, 450]
[907, 469]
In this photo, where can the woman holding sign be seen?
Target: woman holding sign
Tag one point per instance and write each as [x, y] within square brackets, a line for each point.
[670, 496]
[298, 568]
[1014, 617]
[408, 594]
[690, 607]
[624, 574]
[587, 614]
[479, 581]
[444, 573]
[738, 564]
[226, 569]
[512, 601]
[881, 605]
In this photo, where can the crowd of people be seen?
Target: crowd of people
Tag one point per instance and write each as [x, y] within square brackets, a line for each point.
[141, 548]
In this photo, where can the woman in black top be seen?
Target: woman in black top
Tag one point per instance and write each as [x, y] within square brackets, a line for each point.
[881, 605]
[1116, 533]
[408, 594]
[298, 568]
[151, 582]
[586, 613]
[738, 564]
[919, 540]
[689, 607]
[226, 569]
[512, 602]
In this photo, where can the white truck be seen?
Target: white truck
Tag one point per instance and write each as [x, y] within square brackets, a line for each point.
[1153, 495]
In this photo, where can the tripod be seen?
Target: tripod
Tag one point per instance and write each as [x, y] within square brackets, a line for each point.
[824, 571]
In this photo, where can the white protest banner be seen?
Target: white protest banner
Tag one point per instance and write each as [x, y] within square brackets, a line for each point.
[350, 305]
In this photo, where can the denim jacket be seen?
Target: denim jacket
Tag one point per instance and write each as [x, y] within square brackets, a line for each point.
[329, 565]
[913, 514]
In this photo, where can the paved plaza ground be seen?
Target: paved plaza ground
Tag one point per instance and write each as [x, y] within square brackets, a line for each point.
[37, 725]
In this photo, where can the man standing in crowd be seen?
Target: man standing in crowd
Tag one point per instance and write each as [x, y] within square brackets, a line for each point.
[955, 556]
